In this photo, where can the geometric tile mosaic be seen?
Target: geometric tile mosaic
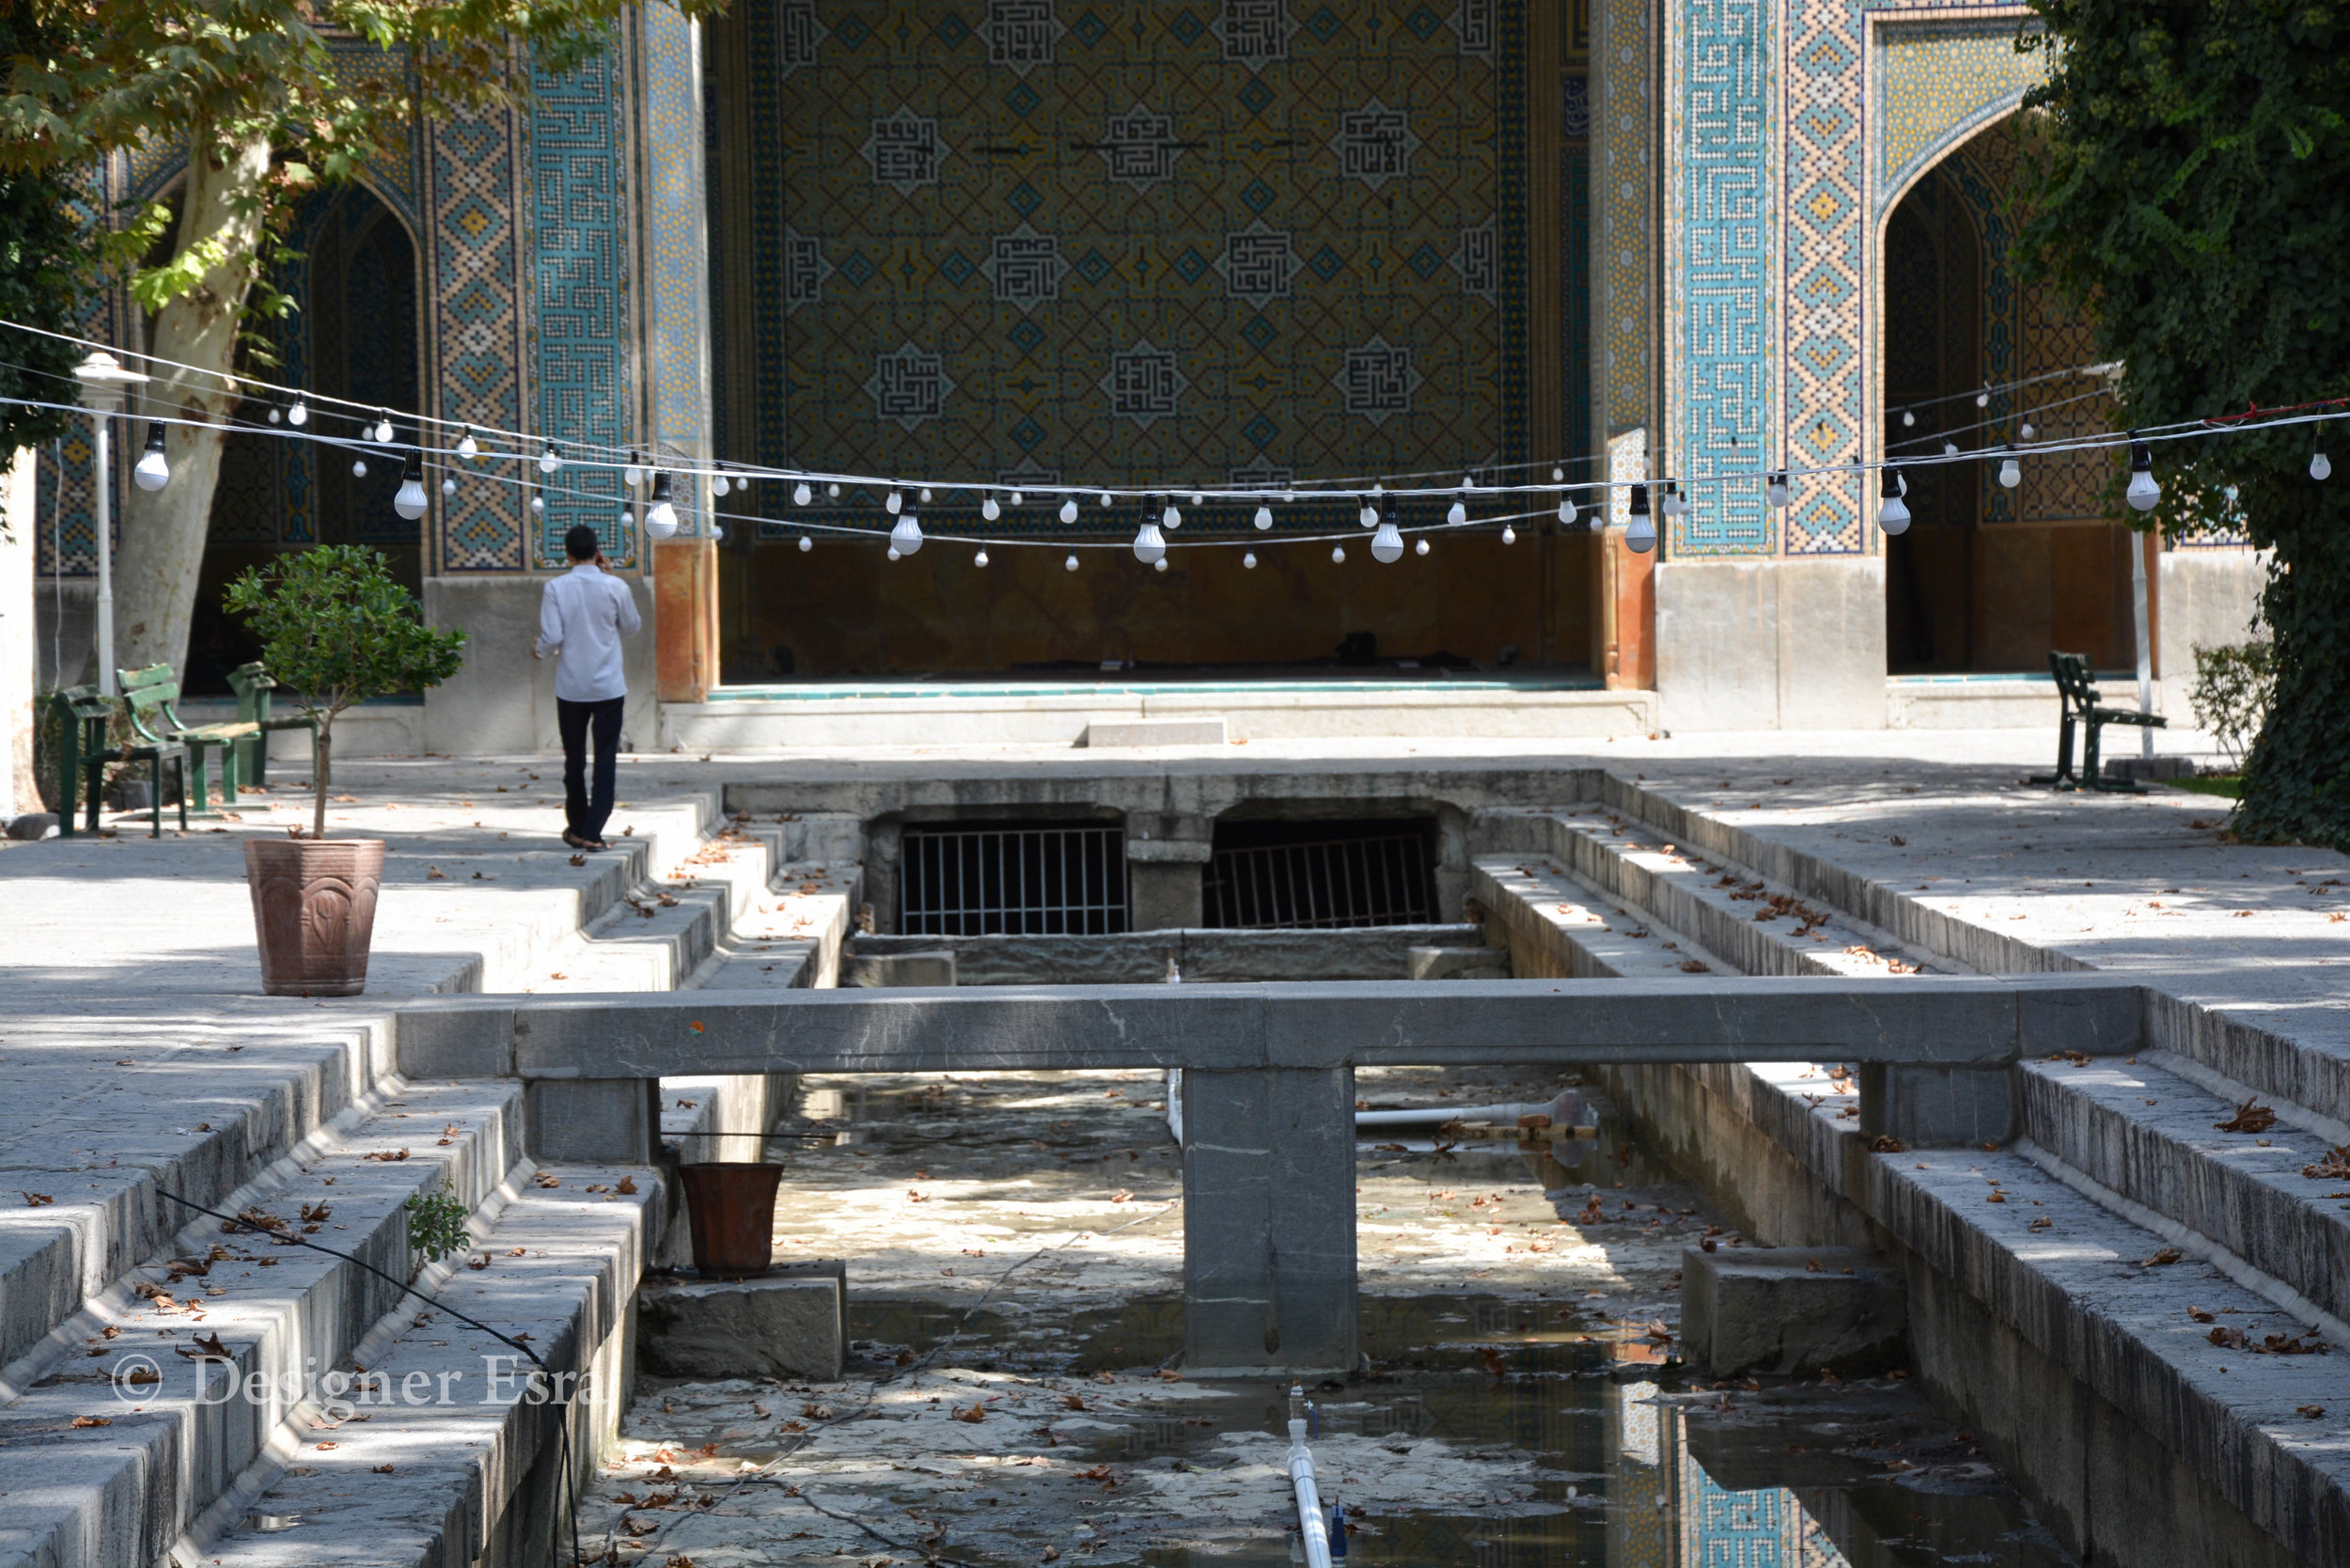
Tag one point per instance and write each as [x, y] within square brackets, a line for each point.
[1138, 243]
[477, 327]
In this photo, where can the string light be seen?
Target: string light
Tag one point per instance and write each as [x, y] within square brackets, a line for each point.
[2027, 432]
[2010, 471]
[1421, 548]
[1105, 498]
[1249, 560]
[1509, 535]
[551, 460]
[1171, 517]
[1367, 515]
[1894, 515]
[801, 494]
[358, 468]
[980, 559]
[926, 496]
[634, 475]
[1069, 509]
[989, 510]
[1566, 510]
[2320, 465]
[537, 503]
[1069, 564]
[1017, 499]
[719, 483]
[1908, 419]
[384, 427]
[893, 552]
[1775, 492]
[274, 415]
[1458, 514]
[1159, 565]
[1337, 554]
[661, 521]
[448, 486]
[807, 545]
[1150, 545]
[467, 447]
[1557, 474]
[1639, 534]
[1388, 543]
[1197, 500]
[2143, 492]
[409, 501]
[299, 415]
[832, 491]
[1263, 518]
[895, 504]
[1982, 399]
[906, 537]
[154, 470]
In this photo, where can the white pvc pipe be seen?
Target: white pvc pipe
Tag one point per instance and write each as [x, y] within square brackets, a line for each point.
[1312, 1524]
[1422, 1115]
[2145, 651]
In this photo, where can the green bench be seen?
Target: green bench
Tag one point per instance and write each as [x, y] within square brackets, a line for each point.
[2076, 688]
[83, 752]
[149, 694]
[253, 686]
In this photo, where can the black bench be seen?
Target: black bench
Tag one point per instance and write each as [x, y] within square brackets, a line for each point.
[2077, 689]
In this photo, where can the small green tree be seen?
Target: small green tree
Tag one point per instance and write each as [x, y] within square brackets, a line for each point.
[2236, 686]
[2189, 164]
[336, 629]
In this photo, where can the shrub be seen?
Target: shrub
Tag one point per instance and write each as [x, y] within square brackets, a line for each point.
[2234, 685]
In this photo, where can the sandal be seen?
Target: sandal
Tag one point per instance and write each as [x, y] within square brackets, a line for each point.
[574, 840]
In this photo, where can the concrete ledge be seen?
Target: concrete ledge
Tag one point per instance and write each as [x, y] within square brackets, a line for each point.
[1787, 1312]
[785, 1325]
[1167, 732]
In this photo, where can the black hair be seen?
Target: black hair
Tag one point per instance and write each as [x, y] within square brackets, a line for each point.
[582, 544]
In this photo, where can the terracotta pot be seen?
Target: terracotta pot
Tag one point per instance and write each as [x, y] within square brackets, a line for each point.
[732, 1207]
[314, 911]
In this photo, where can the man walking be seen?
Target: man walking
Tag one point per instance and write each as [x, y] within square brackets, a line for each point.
[581, 618]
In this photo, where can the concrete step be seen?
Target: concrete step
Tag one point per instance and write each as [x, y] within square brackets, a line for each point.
[109, 1470]
[2151, 1136]
[422, 1464]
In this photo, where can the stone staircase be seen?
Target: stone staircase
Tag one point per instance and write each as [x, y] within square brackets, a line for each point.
[2172, 1273]
[178, 1388]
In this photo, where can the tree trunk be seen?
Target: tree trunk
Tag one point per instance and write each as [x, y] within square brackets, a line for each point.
[163, 530]
[319, 767]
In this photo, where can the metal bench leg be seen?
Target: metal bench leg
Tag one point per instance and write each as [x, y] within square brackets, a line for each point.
[199, 752]
[155, 798]
[2062, 777]
[183, 793]
[230, 788]
[95, 776]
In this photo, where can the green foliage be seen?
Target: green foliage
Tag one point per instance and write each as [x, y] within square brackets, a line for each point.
[436, 1225]
[45, 279]
[336, 629]
[2186, 179]
[2234, 686]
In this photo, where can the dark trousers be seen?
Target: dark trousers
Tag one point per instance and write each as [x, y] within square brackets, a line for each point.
[585, 814]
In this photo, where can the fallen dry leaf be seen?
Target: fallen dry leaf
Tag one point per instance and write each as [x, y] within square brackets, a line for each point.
[627, 1184]
[35, 1200]
[387, 1155]
[93, 1421]
[2167, 1255]
[2249, 1118]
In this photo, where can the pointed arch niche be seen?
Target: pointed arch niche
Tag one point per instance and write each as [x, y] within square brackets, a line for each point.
[1988, 579]
[353, 334]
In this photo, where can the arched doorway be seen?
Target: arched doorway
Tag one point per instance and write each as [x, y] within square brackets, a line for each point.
[353, 335]
[1989, 578]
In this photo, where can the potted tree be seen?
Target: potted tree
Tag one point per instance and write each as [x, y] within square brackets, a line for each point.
[335, 628]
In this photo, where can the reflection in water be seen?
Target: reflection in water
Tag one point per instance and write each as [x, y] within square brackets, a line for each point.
[1669, 1513]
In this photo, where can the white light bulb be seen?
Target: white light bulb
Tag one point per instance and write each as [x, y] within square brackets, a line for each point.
[1639, 535]
[661, 521]
[1775, 491]
[716, 532]
[895, 504]
[1150, 544]
[384, 430]
[550, 460]
[980, 559]
[1249, 560]
[1369, 516]
[1566, 511]
[1509, 535]
[537, 503]
[1421, 548]
[1105, 497]
[1016, 498]
[1908, 419]
[409, 501]
[2320, 466]
[1557, 474]
[832, 491]
[1950, 447]
[1386, 545]
[1159, 565]
[448, 487]
[1469, 481]
[1893, 517]
[2027, 432]
[719, 485]
[989, 510]
[1069, 564]
[802, 495]
[299, 415]
[2143, 491]
[906, 537]
[632, 475]
[1338, 552]
[1171, 518]
[1263, 518]
[2011, 473]
[1457, 515]
[1982, 399]
[1069, 509]
[893, 554]
[154, 470]
[275, 416]
[468, 447]
[926, 496]
[807, 545]
[1198, 499]
[358, 468]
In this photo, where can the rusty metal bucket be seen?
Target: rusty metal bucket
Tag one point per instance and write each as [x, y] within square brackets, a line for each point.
[731, 1205]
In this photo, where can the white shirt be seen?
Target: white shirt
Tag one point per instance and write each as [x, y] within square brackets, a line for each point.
[581, 618]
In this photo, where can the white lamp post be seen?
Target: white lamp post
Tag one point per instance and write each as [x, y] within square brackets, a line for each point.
[104, 381]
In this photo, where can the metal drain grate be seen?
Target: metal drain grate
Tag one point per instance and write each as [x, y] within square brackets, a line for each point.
[1272, 876]
[1017, 881]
